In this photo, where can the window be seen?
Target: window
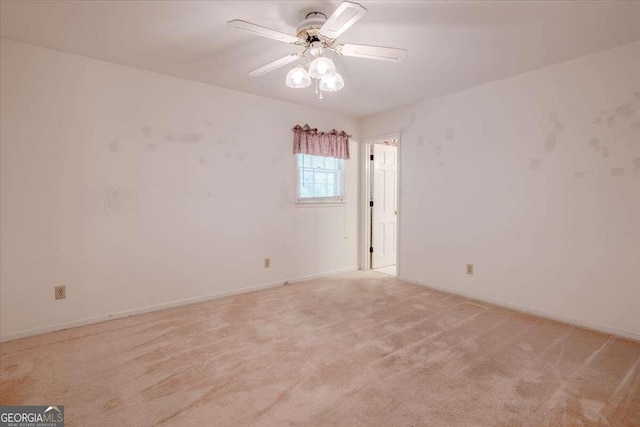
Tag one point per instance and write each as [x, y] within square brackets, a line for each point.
[320, 179]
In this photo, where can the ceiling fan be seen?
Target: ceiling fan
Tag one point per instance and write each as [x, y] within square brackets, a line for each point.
[317, 34]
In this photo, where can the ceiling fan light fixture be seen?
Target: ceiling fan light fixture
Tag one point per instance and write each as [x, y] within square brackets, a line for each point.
[321, 66]
[298, 78]
[331, 82]
[317, 35]
[316, 49]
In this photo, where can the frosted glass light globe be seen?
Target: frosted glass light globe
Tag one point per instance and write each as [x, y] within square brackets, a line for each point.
[298, 78]
[331, 82]
[320, 67]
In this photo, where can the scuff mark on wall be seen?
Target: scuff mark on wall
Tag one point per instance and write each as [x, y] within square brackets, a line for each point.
[552, 139]
[191, 138]
[552, 135]
[146, 131]
[617, 171]
[241, 157]
[636, 164]
[420, 140]
[119, 201]
[579, 174]
[614, 117]
[535, 164]
[202, 160]
[152, 147]
[114, 146]
[171, 137]
[625, 110]
[450, 135]
[596, 144]
[232, 153]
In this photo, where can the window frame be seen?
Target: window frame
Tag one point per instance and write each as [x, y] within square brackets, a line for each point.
[318, 201]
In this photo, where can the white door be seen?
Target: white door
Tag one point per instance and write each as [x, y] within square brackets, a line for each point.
[385, 205]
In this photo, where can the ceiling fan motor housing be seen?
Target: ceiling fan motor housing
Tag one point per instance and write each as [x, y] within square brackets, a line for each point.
[308, 29]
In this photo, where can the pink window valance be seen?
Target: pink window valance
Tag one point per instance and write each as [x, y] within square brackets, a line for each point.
[307, 140]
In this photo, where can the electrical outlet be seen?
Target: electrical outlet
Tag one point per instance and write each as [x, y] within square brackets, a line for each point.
[60, 292]
[469, 268]
[267, 262]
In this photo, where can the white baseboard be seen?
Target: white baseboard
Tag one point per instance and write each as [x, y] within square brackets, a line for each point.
[171, 304]
[529, 310]
[320, 275]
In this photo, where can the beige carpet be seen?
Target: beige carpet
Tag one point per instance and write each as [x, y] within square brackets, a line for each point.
[360, 349]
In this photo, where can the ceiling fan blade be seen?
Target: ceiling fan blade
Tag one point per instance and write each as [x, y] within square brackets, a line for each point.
[392, 54]
[275, 64]
[261, 31]
[344, 17]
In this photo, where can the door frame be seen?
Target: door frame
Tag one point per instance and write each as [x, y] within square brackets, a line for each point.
[365, 218]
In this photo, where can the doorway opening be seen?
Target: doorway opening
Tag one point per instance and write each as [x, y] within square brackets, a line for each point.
[382, 205]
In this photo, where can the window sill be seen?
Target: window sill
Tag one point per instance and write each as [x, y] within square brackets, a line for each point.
[317, 204]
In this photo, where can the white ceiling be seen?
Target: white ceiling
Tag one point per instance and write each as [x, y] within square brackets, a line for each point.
[452, 45]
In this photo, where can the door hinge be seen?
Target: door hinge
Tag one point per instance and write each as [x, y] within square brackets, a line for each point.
[370, 249]
[371, 203]
[371, 157]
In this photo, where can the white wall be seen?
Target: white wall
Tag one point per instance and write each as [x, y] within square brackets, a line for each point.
[136, 189]
[536, 181]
